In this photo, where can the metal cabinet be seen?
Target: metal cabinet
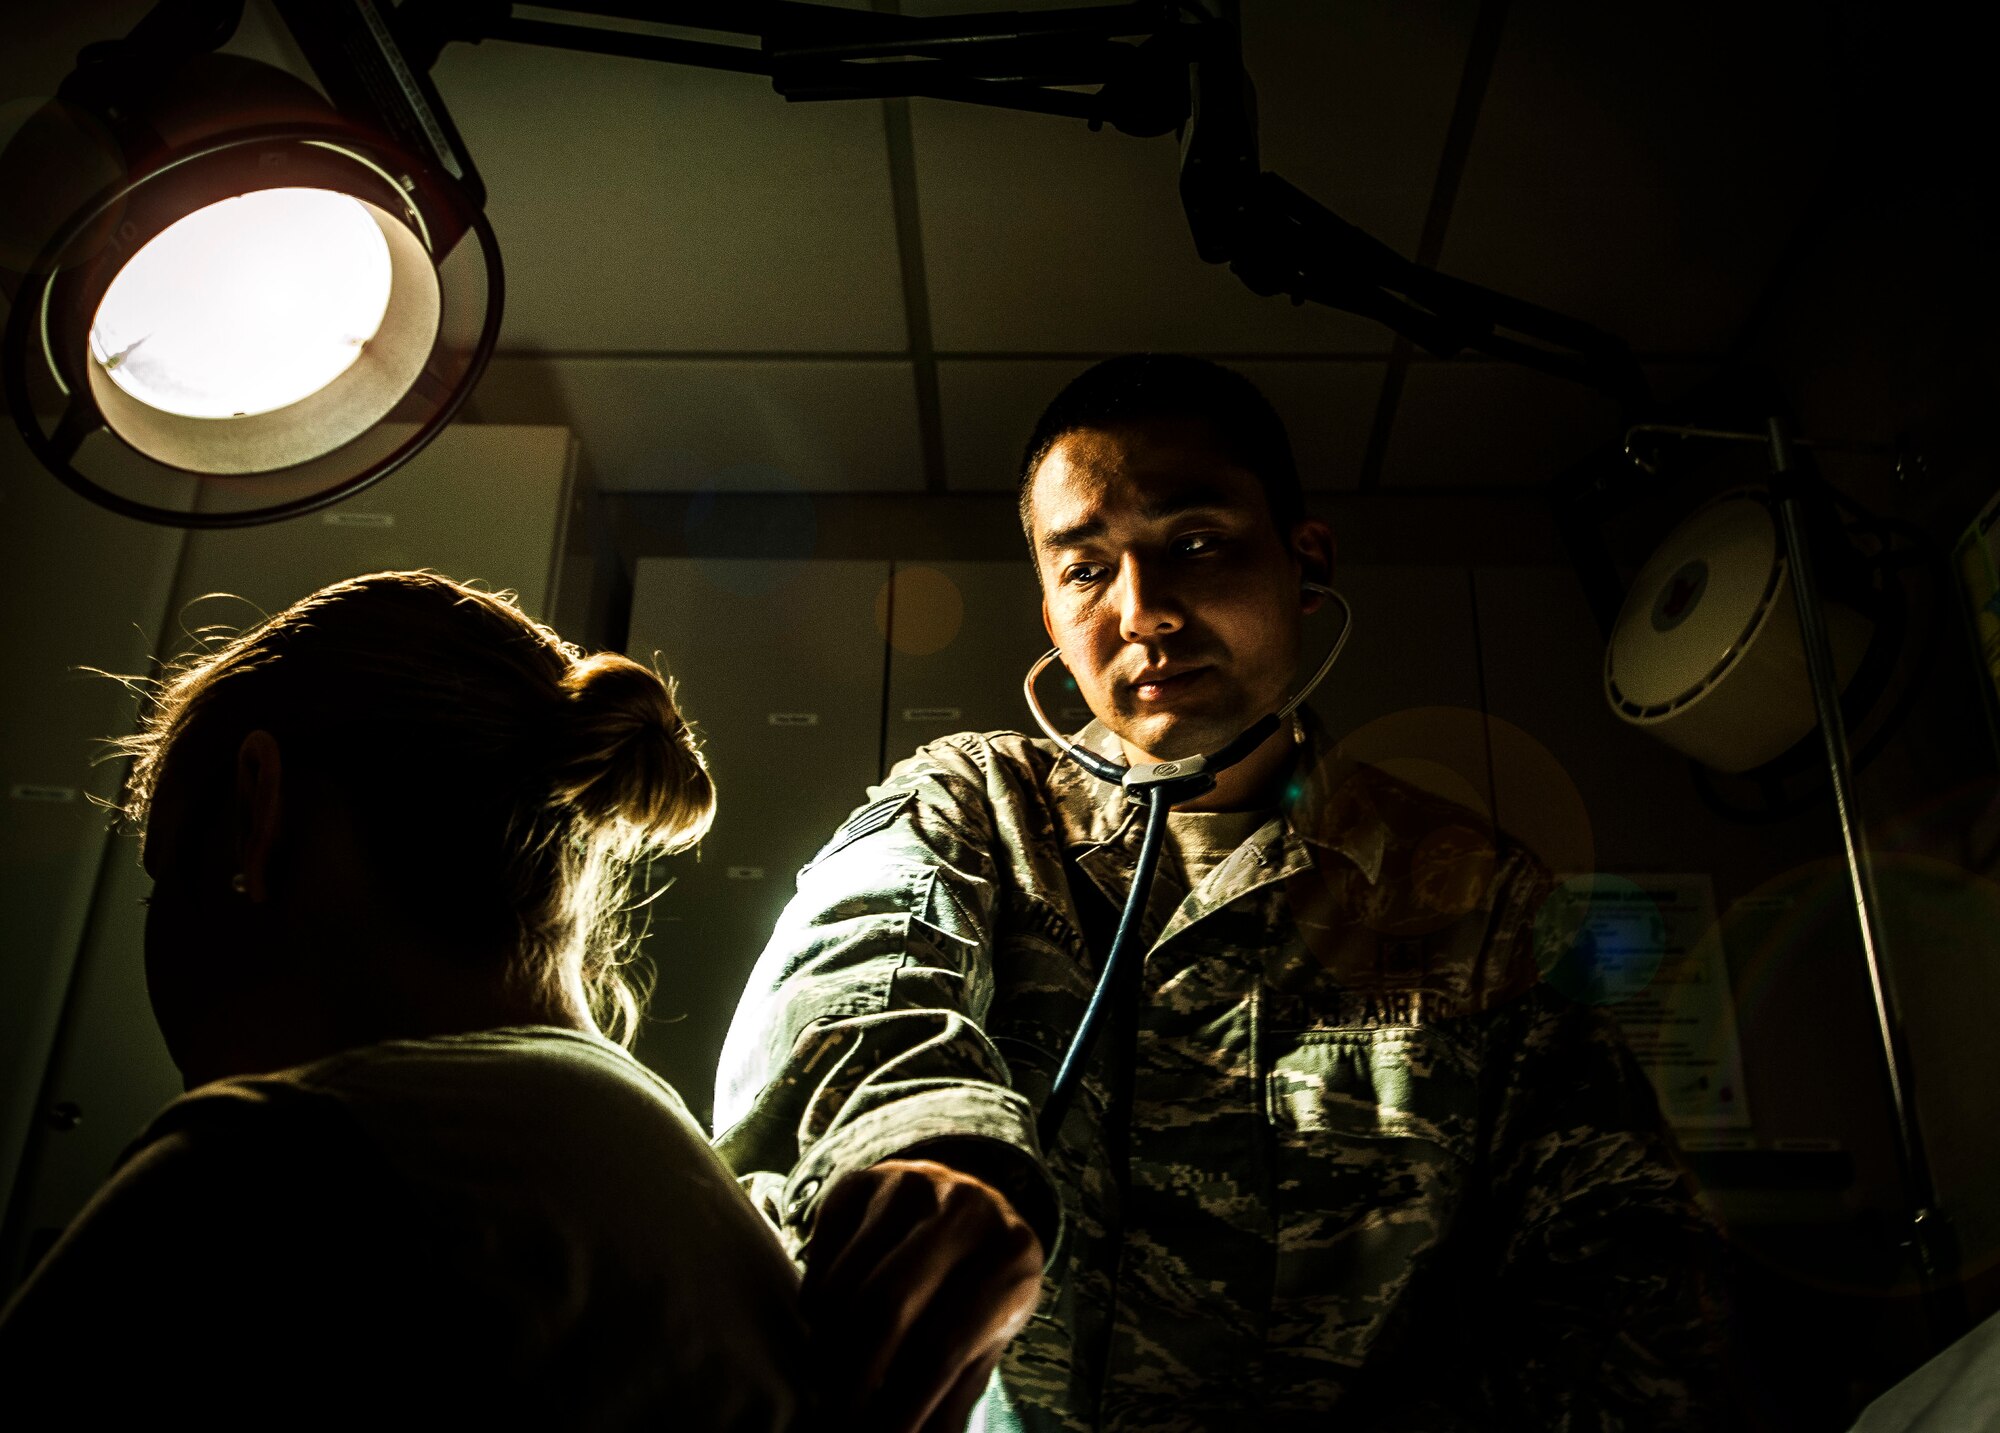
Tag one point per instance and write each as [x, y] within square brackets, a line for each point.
[79, 589]
[488, 502]
[806, 680]
[779, 665]
[961, 637]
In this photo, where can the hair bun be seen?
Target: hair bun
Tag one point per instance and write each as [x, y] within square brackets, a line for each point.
[626, 757]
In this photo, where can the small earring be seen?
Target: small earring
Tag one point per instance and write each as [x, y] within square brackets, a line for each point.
[240, 884]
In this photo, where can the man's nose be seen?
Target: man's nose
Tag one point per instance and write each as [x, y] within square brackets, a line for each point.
[1147, 606]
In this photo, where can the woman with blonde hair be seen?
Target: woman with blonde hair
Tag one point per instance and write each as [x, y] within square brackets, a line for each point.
[417, 1175]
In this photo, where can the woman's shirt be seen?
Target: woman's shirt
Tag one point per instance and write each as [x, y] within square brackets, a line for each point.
[516, 1227]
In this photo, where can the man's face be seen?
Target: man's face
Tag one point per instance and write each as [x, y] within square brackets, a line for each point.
[1166, 586]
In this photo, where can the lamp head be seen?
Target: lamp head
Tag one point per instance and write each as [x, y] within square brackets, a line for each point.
[262, 308]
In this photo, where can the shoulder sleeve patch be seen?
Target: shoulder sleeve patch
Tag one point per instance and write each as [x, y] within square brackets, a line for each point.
[868, 820]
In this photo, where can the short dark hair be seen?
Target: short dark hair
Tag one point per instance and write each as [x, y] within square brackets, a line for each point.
[1136, 386]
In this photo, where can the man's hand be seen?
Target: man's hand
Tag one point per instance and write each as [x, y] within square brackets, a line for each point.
[916, 1278]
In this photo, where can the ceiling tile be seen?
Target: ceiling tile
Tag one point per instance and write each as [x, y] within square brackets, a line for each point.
[1328, 408]
[1040, 236]
[1641, 167]
[683, 425]
[1354, 100]
[989, 407]
[1473, 424]
[646, 206]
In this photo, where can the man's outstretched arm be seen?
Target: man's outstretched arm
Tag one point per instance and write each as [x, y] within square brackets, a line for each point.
[863, 1107]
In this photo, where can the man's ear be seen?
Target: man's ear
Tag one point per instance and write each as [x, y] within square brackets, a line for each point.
[1312, 545]
[259, 808]
[1048, 626]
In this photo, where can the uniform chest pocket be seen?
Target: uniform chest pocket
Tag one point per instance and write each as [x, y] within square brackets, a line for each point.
[1375, 1134]
[1386, 1083]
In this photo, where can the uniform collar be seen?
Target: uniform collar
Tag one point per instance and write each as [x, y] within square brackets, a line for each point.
[1092, 812]
[1327, 800]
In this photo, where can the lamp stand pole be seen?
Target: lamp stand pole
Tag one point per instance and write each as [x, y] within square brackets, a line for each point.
[1927, 1233]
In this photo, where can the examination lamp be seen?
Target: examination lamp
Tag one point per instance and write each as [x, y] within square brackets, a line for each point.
[234, 300]
[164, 358]
[1708, 654]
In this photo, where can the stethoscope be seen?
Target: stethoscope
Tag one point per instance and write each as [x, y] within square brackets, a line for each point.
[1160, 784]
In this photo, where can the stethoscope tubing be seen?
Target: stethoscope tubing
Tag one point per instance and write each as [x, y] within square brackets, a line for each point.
[1048, 1124]
[1159, 785]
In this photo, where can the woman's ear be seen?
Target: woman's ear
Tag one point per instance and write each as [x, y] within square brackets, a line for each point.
[259, 809]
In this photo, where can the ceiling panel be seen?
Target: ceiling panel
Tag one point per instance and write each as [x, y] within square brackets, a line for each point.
[1641, 166]
[1040, 236]
[684, 425]
[990, 406]
[1472, 424]
[645, 206]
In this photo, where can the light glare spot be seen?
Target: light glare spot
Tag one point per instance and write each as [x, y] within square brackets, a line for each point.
[247, 305]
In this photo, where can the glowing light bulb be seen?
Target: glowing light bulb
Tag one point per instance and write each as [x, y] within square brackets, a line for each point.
[245, 306]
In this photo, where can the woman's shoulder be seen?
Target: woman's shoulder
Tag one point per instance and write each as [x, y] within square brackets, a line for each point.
[511, 1076]
[557, 1109]
[514, 1066]
[512, 1185]
[520, 1150]
[483, 1126]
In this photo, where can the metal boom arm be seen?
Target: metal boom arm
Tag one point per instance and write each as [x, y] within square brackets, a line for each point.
[1157, 65]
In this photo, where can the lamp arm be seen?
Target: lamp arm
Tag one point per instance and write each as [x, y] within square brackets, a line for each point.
[186, 26]
[375, 64]
[1160, 65]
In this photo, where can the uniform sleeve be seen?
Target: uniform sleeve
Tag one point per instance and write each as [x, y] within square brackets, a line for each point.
[1607, 1297]
[859, 1036]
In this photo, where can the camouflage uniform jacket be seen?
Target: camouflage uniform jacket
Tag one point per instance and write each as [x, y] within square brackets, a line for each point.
[1343, 1149]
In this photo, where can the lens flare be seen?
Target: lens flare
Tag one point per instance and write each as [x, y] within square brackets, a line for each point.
[926, 611]
[247, 305]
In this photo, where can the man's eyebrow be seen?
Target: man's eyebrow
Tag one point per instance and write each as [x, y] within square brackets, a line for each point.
[1070, 536]
[1173, 504]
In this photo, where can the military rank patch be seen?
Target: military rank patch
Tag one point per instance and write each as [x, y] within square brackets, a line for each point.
[869, 819]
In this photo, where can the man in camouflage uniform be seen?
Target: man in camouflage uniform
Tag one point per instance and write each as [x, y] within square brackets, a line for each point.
[1341, 1154]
